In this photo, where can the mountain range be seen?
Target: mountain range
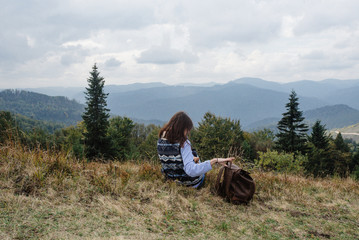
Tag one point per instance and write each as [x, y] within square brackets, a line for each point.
[255, 102]
[333, 116]
[38, 106]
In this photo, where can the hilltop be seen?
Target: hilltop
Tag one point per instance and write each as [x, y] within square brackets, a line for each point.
[48, 195]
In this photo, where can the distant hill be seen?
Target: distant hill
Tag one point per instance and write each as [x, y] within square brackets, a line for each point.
[78, 93]
[335, 116]
[324, 90]
[348, 132]
[41, 107]
[331, 91]
[348, 96]
[28, 124]
[238, 101]
[268, 123]
[254, 101]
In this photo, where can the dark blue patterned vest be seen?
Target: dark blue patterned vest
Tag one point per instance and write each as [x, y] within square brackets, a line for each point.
[172, 163]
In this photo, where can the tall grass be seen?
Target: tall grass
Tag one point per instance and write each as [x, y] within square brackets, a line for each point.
[51, 195]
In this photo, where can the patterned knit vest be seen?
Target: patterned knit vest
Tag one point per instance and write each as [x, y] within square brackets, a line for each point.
[172, 163]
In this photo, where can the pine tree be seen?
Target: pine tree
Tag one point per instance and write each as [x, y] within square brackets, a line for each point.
[340, 144]
[292, 131]
[319, 162]
[318, 137]
[354, 166]
[341, 155]
[96, 117]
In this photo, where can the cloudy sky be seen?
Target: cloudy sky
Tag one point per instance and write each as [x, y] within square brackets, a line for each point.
[56, 43]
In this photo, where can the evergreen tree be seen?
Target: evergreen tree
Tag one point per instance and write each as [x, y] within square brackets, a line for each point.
[341, 156]
[97, 143]
[354, 166]
[319, 162]
[340, 144]
[292, 131]
[318, 137]
[119, 132]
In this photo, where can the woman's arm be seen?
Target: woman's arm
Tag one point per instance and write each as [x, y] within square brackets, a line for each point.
[193, 169]
[221, 161]
[189, 166]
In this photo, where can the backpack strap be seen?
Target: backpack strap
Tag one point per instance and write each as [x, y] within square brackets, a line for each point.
[222, 187]
[219, 184]
[227, 180]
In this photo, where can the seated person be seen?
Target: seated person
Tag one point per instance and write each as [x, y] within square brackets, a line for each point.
[175, 152]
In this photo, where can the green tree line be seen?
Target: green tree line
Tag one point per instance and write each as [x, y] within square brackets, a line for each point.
[214, 136]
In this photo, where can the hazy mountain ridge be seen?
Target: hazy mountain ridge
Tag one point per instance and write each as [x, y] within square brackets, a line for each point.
[333, 116]
[36, 110]
[230, 100]
[304, 87]
[251, 100]
[78, 93]
[331, 91]
[239, 101]
[41, 107]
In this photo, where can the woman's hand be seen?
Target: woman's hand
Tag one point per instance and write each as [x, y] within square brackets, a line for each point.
[196, 159]
[221, 161]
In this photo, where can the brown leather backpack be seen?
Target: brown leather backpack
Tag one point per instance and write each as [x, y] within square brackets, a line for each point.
[237, 186]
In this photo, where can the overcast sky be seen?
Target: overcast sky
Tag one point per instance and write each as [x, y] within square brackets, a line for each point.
[56, 43]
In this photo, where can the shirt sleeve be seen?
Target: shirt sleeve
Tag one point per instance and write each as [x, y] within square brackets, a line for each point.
[190, 167]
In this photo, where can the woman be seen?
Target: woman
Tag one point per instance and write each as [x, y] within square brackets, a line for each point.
[175, 152]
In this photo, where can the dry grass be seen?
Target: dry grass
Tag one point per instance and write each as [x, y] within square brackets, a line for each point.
[46, 195]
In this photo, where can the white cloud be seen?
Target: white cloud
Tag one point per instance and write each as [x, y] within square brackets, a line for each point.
[112, 62]
[85, 43]
[314, 55]
[163, 55]
[47, 43]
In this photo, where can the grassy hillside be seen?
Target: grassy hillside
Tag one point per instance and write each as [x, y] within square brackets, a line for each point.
[48, 195]
[349, 132]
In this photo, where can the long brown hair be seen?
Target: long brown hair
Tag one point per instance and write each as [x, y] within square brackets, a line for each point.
[174, 129]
